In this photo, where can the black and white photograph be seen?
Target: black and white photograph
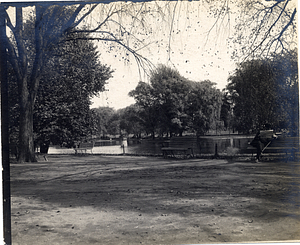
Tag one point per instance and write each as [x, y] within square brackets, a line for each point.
[149, 122]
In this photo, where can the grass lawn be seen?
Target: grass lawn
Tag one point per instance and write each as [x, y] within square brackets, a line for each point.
[150, 200]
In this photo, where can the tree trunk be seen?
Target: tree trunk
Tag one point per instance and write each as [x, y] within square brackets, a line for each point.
[28, 87]
[26, 141]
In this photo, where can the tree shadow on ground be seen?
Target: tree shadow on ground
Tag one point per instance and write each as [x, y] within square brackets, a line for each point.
[153, 185]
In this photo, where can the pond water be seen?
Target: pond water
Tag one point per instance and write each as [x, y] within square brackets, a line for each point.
[204, 145]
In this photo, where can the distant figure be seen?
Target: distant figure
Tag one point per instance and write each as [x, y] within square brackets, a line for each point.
[262, 139]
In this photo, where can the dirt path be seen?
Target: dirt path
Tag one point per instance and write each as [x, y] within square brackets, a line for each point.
[144, 200]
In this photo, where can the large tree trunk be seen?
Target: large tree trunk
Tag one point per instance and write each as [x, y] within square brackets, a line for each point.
[28, 87]
[26, 141]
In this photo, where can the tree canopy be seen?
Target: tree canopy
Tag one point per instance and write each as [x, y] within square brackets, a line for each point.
[29, 47]
[172, 104]
[266, 91]
[103, 119]
[130, 121]
[261, 28]
[74, 68]
[204, 107]
[72, 75]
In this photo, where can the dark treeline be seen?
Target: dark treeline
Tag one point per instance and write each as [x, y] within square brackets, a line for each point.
[261, 91]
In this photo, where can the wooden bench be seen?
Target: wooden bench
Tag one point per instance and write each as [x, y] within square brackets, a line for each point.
[179, 146]
[289, 146]
[250, 149]
[174, 151]
[290, 151]
[84, 147]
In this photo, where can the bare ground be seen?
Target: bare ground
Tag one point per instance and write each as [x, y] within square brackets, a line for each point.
[147, 200]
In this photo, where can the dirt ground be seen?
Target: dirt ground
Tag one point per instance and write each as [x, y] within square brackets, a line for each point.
[150, 200]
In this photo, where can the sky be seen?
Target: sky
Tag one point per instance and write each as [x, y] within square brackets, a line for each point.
[197, 54]
[199, 48]
[194, 51]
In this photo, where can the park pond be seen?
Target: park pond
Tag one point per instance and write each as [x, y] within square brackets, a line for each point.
[227, 144]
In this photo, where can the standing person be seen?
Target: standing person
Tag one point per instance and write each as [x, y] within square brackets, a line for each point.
[256, 142]
[262, 139]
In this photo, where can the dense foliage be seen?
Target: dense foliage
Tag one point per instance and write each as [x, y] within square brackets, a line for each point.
[261, 91]
[171, 104]
[103, 121]
[72, 75]
[204, 108]
[266, 91]
[130, 121]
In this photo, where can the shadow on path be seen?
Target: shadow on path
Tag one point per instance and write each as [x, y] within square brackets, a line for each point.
[191, 190]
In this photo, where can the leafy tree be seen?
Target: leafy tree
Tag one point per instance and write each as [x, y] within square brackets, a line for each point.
[170, 91]
[103, 117]
[172, 104]
[114, 124]
[254, 94]
[164, 100]
[52, 23]
[285, 68]
[147, 107]
[265, 91]
[63, 118]
[130, 121]
[26, 57]
[204, 107]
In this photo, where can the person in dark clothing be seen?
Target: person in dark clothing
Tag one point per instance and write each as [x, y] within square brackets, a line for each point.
[262, 139]
[256, 142]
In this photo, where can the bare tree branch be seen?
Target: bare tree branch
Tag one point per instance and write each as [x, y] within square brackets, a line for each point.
[219, 17]
[83, 17]
[266, 28]
[69, 24]
[171, 29]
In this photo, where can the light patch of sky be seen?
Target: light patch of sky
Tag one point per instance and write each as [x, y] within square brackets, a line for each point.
[194, 51]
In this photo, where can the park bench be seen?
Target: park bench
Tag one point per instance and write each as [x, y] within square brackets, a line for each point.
[289, 146]
[268, 135]
[250, 149]
[179, 146]
[290, 152]
[286, 146]
[83, 147]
